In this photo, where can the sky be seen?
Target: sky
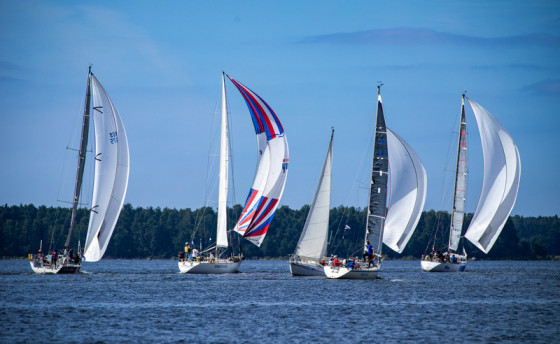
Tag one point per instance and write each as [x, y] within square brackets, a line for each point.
[316, 63]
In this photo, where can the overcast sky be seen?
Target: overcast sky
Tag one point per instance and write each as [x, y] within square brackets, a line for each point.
[316, 63]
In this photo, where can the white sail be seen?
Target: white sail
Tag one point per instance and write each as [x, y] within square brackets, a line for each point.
[111, 173]
[408, 185]
[502, 172]
[221, 236]
[313, 240]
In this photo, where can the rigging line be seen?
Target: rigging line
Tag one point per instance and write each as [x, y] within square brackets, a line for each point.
[200, 215]
[356, 183]
[230, 153]
[452, 138]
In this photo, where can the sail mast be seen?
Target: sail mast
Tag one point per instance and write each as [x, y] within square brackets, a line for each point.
[460, 188]
[81, 158]
[377, 207]
[221, 239]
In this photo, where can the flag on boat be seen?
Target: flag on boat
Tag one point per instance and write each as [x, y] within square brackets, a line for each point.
[347, 227]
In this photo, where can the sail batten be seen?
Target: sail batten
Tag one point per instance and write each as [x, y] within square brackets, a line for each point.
[502, 172]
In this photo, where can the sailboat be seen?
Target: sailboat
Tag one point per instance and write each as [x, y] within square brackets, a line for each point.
[109, 188]
[502, 172]
[268, 184]
[312, 245]
[395, 166]
[217, 264]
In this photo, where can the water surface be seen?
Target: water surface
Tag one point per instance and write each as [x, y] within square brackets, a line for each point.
[148, 301]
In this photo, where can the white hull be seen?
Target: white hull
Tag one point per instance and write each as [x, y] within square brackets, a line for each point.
[205, 267]
[356, 273]
[430, 266]
[302, 269]
[68, 268]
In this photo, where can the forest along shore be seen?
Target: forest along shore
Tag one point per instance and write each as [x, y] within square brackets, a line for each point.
[156, 233]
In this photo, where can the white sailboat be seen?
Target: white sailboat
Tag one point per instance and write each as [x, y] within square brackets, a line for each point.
[312, 244]
[267, 189]
[217, 264]
[110, 184]
[502, 172]
[395, 223]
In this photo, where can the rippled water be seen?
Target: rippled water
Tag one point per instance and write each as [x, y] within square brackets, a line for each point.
[150, 302]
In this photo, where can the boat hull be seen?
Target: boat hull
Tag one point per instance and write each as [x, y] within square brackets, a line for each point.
[68, 268]
[206, 267]
[340, 272]
[302, 269]
[430, 266]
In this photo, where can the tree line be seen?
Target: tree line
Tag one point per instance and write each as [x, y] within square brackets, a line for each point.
[160, 233]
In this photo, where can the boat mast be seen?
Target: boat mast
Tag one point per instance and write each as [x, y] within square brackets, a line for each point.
[377, 207]
[221, 235]
[459, 189]
[81, 158]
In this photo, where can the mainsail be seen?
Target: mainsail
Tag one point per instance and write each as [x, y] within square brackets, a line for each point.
[377, 207]
[408, 185]
[221, 235]
[313, 240]
[460, 189]
[502, 172]
[111, 172]
[272, 168]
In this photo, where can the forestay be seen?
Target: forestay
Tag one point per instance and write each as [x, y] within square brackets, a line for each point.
[111, 172]
[408, 185]
[272, 169]
[313, 240]
[502, 172]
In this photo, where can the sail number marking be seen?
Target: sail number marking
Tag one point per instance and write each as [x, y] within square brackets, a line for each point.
[113, 137]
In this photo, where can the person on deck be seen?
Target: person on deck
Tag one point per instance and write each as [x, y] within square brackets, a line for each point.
[336, 262]
[351, 264]
[365, 255]
[370, 253]
[54, 257]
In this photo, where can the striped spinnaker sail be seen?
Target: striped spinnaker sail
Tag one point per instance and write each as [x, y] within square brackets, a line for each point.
[272, 161]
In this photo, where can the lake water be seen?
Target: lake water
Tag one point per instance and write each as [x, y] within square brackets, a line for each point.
[148, 301]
